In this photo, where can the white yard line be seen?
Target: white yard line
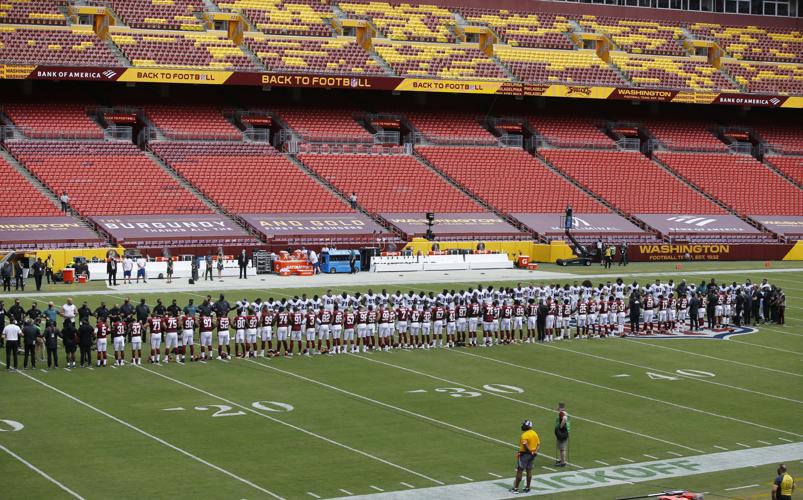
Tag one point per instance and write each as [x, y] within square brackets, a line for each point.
[743, 445]
[626, 460]
[674, 453]
[466, 478]
[313, 495]
[155, 438]
[673, 374]
[41, 473]
[742, 487]
[651, 457]
[406, 484]
[784, 439]
[550, 469]
[377, 488]
[708, 356]
[314, 435]
[601, 462]
[494, 475]
[780, 349]
[576, 480]
[620, 391]
[764, 442]
[346, 492]
[725, 449]
[527, 403]
[389, 406]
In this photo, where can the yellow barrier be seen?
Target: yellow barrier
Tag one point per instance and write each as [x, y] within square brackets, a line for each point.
[538, 252]
[796, 253]
[63, 257]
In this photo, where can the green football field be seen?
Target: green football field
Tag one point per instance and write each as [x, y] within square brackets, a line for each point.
[421, 424]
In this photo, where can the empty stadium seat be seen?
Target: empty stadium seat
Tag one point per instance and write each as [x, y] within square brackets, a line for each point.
[32, 12]
[105, 178]
[637, 36]
[753, 43]
[387, 184]
[523, 28]
[630, 181]
[324, 125]
[192, 122]
[438, 60]
[558, 66]
[671, 72]
[450, 128]
[340, 56]
[208, 50]
[75, 46]
[284, 17]
[784, 138]
[402, 21]
[767, 78]
[740, 181]
[510, 179]
[248, 178]
[68, 121]
[158, 14]
[19, 198]
[684, 135]
[567, 131]
[792, 166]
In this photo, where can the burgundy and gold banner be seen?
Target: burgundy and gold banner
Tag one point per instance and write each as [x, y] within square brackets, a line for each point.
[218, 77]
[690, 252]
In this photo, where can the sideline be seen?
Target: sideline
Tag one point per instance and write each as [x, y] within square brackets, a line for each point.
[42, 473]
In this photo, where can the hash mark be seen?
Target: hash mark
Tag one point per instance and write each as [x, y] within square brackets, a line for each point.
[407, 484]
[466, 478]
[601, 462]
[313, 495]
[494, 475]
[674, 453]
[377, 489]
[651, 456]
[346, 492]
[741, 487]
[787, 440]
[626, 460]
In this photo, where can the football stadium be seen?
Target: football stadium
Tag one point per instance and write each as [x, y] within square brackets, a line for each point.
[455, 249]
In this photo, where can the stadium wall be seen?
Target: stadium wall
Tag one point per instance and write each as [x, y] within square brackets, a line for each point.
[538, 252]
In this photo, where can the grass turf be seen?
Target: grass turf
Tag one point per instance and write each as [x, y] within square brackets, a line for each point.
[361, 423]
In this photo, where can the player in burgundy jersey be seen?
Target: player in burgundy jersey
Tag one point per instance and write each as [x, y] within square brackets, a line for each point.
[371, 332]
[102, 334]
[135, 331]
[156, 326]
[426, 327]
[551, 317]
[297, 320]
[268, 319]
[474, 314]
[119, 330]
[325, 330]
[207, 324]
[518, 319]
[171, 335]
[532, 321]
[240, 323]
[251, 327]
[223, 339]
[310, 322]
[282, 332]
[188, 337]
[336, 328]
[349, 324]
[415, 326]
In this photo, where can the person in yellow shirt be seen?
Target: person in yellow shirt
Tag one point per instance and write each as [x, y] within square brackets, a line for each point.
[529, 444]
[784, 485]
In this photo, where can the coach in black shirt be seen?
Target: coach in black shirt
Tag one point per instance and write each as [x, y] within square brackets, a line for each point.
[38, 269]
[69, 338]
[84, 312]
[52, 344]
[3, 315]
[222, 306]
[85, 333]
[127, 309]
[540, 320]
[29, 335]
[16, 312]
[694, 311]
[111, 271]
[101, 312]
[711, 307]
[635, 312]
[34, 313]
[142, 311]
[173, 308]
[159, 309]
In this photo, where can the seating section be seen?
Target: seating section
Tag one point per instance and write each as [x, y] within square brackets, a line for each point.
[753, 43]
[105, 178]
[58, 46]
[517, 183]
[782, 138]
[283, 17]
[792, 166]
[567, 131]
[340, 56]
[670, 72]
[630, 181]
[159, 14]
[192, 122]
[523, 29]
[19, 198]
[32, 12]
[767, 78]
[324, 125]
[388, 184]
[450, 128]
[248, 178]
[439, 60]
[637, 36]
[402, 21]
[558, 66]
[181, 50]
[685, 135]
[733, 180]
[67, 121]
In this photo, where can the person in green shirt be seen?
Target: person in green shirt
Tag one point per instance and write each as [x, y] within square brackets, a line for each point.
[562, 434]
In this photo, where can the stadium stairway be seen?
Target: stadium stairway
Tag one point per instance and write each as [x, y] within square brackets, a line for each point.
[768, 163]
[510, 220]
[602, 201]
[713, 199]
[47, 193]
[344, 196]
[505, 68]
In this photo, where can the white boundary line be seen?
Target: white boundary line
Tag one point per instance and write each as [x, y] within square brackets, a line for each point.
[155, 438]
[708, 356]
[527, 403]
[627, 393]
[787, 351]
[295, 427]
[41, 473]
[674, 374]
[742, 487]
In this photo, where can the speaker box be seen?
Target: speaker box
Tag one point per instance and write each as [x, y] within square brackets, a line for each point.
[192, 281]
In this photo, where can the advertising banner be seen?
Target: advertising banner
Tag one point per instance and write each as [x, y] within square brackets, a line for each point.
[169, 227]
[44, 229]
[781, 224]
[308, 80]
[698, 224]
[603, 224]
[689, 252]
[336, 224]
[480, 223]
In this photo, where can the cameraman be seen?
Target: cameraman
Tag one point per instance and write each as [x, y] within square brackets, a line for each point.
[529, 444]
